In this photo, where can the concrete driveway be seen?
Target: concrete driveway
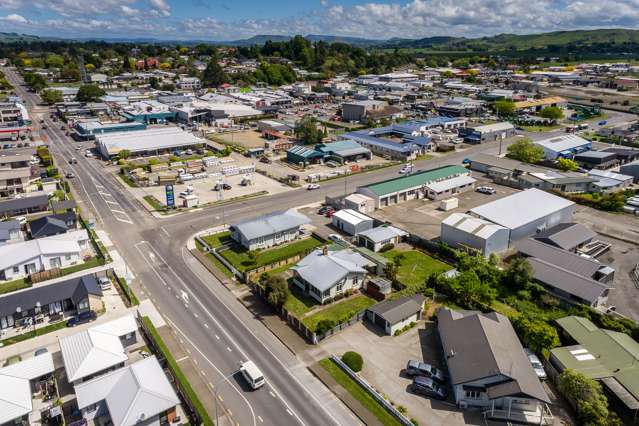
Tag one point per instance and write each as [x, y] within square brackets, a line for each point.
[386, 356]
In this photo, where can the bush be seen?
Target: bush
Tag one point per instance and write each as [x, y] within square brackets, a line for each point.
[387, 247]
[324, 325]
[353, 360]
[414, 422]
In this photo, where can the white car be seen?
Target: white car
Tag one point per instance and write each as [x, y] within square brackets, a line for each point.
[312, 186]
[486, 190]
[22, 220]
[336, 238]
[105, 283]
[536, 364]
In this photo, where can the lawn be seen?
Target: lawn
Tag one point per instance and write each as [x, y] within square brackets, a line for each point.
[219, 265]
[154, 202]
[359, 393]
[536, 128]
[416, 266]
[14, 285]
[240, 259]
[39, 332]
[299, 304]
[217, 240]
[339, 311]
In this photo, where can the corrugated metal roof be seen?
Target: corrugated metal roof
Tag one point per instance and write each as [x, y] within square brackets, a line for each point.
[417, 179]
[323, 271]
[472, 225]
[271, 224]
[382, 233]
[449, 184]
[563, 143]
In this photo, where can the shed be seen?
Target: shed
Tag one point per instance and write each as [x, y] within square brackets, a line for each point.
[461, 230]
[393, 315]
[351, 222]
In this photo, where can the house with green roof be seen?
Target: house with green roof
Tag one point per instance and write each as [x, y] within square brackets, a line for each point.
[605, 355]
[436, 184]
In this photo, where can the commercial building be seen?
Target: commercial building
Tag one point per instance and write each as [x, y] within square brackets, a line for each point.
[149, 112]
[607, 181]
[631, 169]
[339, 152]
[535, 105]
[189, 83]
[269, 230]
[463, 231]
[88, 129]
[597, 160]
[476, 134]
[415, 186]
[146, 142]
[489, 369]
[527, 212]
[351, 222]
[461, 107]
[360, 110]
[360, 203]
[564, 146]
[397, 141]
[610, 357]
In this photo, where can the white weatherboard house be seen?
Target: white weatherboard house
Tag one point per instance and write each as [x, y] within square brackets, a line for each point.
[269, 230]
[138, 394]
[527, 212]
[460, 230]
[323, 274]
[27, 257]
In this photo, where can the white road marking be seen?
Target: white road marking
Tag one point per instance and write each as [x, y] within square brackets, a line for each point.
[260, 419]
[217, 337]
[182, 359]
[165, 231]
[195, 315]
[229, 349]
[195, 361]
[271, 393]
[289, 412]
[206, 325]
[118, 211]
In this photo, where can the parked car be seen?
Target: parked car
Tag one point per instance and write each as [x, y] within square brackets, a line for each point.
[70, 175]
[428, 387]
[486, 190]
[466, 161]
[416, 368]
[602, 123]
[336, 238]
[82, 318]
[73, 160]
[265, 160]
[105, 283]
[222, 186]
[536, 364]
[325, 209]
[312, 186]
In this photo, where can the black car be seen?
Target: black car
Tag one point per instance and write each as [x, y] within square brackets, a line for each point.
[416, 368]
[82, 318]
[428, 387]
[325, 209]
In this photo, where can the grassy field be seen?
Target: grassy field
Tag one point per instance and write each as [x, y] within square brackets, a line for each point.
[359, 393]
[339, 311]
[416, 266]
[540, 128]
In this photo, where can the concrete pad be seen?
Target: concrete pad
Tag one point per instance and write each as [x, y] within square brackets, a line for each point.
[148, 309]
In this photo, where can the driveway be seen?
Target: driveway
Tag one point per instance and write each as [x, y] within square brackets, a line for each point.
[384, 359]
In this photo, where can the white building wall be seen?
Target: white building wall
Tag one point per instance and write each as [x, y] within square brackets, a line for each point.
[391, 329]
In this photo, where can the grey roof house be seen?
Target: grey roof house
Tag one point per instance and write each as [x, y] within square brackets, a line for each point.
[324, 274]
[269, 230]
[488, 367]
[393, 315]
[10, 231]
[54, 224]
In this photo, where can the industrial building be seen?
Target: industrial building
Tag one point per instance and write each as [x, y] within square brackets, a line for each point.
[360, 110]
[487, 132]
[88, 129]
[397, 141]
[527, 212]
[146, 142]
[631, 169]
[564, 146]
[597, 160]
[463, 231]
[339, 152]
[351, 222]
[415, 186]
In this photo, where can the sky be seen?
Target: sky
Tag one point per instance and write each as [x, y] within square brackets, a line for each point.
[238, 19]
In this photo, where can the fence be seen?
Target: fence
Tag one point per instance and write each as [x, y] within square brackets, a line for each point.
[372, 392]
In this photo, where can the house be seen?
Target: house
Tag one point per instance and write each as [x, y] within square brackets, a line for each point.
[563, 146]
[415, 186]
[569, 276]
[597, 160]
[55, 299]
[10, 232]
[375, 239]
[607, 181]
[139, 393]
[527, 212]
[477, 134]
[269, 230]
[489, 369]
[97, 350]
[610, 357]
[393, 315]
[461, 230]
[18, 383]
[566, 236]
[54, 224]
[25, 205]
[351, 222]
[20, 259]
[15, 173]
[324, 274]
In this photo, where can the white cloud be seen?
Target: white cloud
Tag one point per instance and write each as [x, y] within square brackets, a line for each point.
[161, 7]
[15, 18]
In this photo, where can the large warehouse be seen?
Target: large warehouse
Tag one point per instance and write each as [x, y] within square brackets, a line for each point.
[527, 212]
[460, 230]
[146, 142]
[563, 146]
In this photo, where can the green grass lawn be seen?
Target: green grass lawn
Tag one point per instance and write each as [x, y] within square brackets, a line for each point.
[339, 311]
[217, 240]
[154, 202]
[14, 285]
[416, 266]
[359, 393]
[239, 257]
[535, 128]
[219, 265]
[299, 304]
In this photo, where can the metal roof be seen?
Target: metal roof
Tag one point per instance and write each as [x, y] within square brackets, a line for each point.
[146, 140]
[382, 233]
[13, 254]
[521, 208]
[417, 179]
[567, 235]
[132, 394]
[398, 310]
[479, 346]
[352, 216]
[271, 224]
[472, 225]
[449, 184]
[24, 203]
[567, 260]
[323, 271]
[563, 143]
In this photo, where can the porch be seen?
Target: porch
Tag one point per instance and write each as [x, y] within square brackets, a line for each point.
[542, 416]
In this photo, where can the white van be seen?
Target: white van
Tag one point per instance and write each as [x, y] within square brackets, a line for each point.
[252, 374]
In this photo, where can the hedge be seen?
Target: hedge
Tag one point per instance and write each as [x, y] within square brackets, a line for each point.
[353, 360]
[184, 384]
[128, 293]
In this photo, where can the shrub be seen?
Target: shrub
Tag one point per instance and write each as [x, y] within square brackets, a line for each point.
[402, 409]
[325, 325]
[353, 360]
[414, 422]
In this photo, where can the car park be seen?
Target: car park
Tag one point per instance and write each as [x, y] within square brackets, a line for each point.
[428, 387]
[82, 318]
[486, 190]
[536, 364]
[416, 368]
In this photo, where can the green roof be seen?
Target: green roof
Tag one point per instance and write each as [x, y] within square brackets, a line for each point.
[416, 179]
[600, 353]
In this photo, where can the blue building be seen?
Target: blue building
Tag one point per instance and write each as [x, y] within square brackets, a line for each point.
[397, 141]
[564, 146]
[339, 152]
[87, 130]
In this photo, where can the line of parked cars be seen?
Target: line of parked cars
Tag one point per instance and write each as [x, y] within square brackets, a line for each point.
[428, 380]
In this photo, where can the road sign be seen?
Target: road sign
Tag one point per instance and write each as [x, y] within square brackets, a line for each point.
[170, 196]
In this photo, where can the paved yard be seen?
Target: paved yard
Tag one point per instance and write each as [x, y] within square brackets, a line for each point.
[384, 359]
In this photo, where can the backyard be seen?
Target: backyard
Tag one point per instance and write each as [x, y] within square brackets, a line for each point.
[339, 312]
[415, 266]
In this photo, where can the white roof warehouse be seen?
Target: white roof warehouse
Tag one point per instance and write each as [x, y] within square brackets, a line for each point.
[149, 141]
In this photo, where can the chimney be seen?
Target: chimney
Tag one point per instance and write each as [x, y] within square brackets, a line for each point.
[325, 250]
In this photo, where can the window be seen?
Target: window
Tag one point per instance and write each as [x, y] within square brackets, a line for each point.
[16, 269]
[339, 288]
[67, 257]
[473, 394]
[355, 280]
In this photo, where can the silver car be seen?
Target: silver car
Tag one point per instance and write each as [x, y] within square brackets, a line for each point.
[536, 364]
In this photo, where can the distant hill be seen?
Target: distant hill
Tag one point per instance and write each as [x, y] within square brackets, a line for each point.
[261, 39]
[13, 37]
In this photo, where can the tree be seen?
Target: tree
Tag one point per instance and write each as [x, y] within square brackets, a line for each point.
[504, 107]
[552, 112]
[89, 93]
[307, 131]
[277, 291]
[124, 154]
[587, 393]
[526, 151]
[536, 334]
[353, 360]
[54, 61]
[392, 268]
[51, 97]
[214, 75]
[519, 274]
[36, 81]
[566, 164]
[471, 292]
